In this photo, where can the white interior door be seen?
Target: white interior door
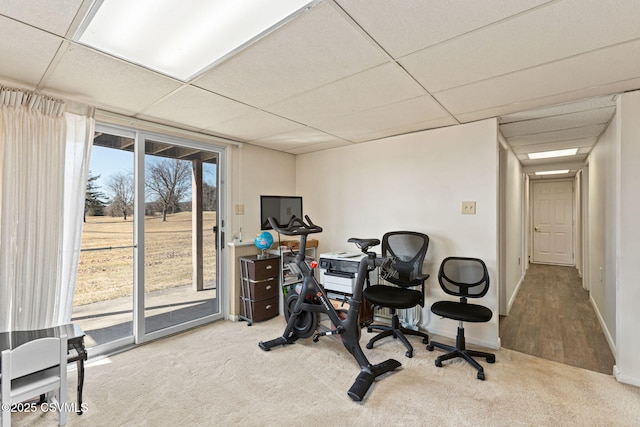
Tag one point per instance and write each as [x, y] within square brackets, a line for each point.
[553, 222]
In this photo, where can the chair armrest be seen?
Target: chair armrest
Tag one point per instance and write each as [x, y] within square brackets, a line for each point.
[422, 277]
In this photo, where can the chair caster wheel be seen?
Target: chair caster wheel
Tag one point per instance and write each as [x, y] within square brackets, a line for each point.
[425, 341]
[481, 376]
[369, 345]
[491, 359]
[369, 330]
[430, 347]
[409, 354]
[438, 363]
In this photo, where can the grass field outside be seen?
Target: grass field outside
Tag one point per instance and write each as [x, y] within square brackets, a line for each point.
[108, 274]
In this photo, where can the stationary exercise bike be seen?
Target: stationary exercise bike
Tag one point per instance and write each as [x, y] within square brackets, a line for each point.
[302, 309]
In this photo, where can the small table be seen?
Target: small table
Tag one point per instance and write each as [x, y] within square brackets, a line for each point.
[76, 351]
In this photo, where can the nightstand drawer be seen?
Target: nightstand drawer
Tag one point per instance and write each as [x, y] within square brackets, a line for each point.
[263, 269]
[263, 289]
[259, 310]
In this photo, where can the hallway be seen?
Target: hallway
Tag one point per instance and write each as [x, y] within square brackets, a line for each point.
[552, 318]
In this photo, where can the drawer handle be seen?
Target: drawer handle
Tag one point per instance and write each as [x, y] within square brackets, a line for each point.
[269, 267]
[268, 307]
[267, 287]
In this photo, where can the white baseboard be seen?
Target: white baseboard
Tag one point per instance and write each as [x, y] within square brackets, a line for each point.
[605, 330]
[515, 293]
[625, 378]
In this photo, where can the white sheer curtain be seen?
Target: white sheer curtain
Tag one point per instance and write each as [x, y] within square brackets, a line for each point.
[39, 193]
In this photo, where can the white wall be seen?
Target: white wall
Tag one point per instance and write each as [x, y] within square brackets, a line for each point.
[413, 182]
[613, 230]
[602, 184]
[514, 227]
[258, 171]
[628, 241]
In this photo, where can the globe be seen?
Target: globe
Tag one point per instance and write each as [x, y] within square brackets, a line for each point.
[263, 241]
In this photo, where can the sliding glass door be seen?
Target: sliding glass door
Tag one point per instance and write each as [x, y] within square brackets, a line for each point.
[150, 258]
[179, 240]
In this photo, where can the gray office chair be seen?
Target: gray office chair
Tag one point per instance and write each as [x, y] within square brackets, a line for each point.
[464, 278]
[408, 250]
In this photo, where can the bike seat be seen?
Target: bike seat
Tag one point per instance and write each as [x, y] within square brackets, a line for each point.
[364, 244]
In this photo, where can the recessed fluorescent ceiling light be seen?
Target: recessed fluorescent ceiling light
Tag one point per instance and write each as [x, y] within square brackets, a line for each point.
[554, 153]
[180, 38]
[558, 172]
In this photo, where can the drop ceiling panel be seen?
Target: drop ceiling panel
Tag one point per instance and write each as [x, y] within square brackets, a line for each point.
[583, 105]
[402, 27]
[106, 82]
[25, 51]
[538, 37]
[560, 135]
[254, 125]
[378, 86]
[52, 16]
[565, 121]
[315, 49]
[615, 64]
[583, 145]
[405, 116]
[574, 163]
[195, 107]
[301, 140]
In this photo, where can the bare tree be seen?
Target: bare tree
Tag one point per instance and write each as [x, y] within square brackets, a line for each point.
[121, 187]
[169, 181]
[209, 197]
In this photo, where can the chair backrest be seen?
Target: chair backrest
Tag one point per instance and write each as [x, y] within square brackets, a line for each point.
[408, 249]
[33, 356]
[464, 277]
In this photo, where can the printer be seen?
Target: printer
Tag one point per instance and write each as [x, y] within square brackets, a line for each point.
[339, 272]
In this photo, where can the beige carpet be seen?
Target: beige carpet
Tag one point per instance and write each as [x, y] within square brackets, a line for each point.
[217, 376]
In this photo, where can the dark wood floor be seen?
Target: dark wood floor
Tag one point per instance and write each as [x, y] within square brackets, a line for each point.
[552, 318]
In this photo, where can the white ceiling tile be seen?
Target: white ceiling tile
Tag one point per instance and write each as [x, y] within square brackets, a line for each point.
[382, 85]
[556, 145]
[547, 34]
[195, 107]
[573, 162]
[304, 149]
[299, 138]
[411, 115]
[254, 125]
[615, 64]
[402, 27]
[582, 105]
[564, 121]
[107, 82]
[52, 16]
[559, 135]
[26, 52]
[312, 50]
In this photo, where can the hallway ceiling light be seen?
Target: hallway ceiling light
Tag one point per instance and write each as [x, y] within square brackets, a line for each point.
[181, 38]
[554, 153]
[558, 172]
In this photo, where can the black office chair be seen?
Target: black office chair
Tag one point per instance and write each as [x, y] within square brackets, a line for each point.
[408, 250]
[464, 278]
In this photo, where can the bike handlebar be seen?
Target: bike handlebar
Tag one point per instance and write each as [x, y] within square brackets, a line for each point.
[295, 227]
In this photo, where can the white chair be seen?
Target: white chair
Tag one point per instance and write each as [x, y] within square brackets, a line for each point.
[32, 369]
